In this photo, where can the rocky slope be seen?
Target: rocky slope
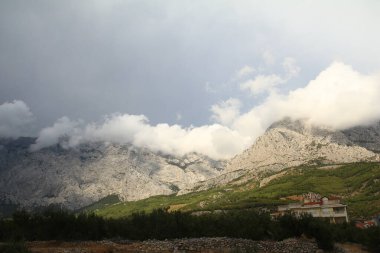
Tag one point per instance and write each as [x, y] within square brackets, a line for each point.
[80, 176]
[292, 143]
[289, 143]
[367, 137]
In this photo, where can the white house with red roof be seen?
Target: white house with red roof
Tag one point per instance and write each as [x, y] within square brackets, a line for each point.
[328, 208]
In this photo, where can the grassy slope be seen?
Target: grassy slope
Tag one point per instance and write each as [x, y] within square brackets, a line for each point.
[358, 184]
[109, 200]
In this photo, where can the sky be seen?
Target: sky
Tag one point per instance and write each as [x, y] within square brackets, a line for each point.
[184, 76]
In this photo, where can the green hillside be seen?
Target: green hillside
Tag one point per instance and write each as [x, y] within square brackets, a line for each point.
[358, 184]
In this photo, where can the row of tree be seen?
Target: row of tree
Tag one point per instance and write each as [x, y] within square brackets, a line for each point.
[58, 224]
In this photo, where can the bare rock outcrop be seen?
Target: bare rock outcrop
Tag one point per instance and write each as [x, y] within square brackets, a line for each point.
[79, 176]
[292, 143]
[365, 136]
[289, 143]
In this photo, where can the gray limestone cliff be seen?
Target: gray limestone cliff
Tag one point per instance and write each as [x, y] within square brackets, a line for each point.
[288, 143]
[80, 176]
[366, 136]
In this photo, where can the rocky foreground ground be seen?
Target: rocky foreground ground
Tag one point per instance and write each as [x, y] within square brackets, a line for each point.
[198, 245]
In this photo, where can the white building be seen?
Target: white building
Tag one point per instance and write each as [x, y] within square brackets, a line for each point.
[329, 209]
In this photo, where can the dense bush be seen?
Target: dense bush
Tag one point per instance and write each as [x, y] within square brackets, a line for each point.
[372, 238]
[13, 247]
[58, 224]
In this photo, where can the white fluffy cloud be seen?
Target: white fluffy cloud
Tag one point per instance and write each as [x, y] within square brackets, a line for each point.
[15, 120]
[48, 136]
[339, 97]
[226, 111]
[268, 83]
[216, 141]
[262, 84]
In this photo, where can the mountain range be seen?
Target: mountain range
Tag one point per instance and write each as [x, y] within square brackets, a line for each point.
[77, 177]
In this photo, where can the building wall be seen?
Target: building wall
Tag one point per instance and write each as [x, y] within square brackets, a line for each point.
[336, 214]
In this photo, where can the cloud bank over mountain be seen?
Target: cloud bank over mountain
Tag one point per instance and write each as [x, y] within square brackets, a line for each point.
[214, 140]
[15, 119]
[339, 97]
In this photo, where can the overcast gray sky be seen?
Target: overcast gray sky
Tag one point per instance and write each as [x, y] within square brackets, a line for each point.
[176, 62]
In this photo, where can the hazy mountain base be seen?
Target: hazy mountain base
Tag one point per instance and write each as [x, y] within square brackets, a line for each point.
[358, 184]
[79, 176]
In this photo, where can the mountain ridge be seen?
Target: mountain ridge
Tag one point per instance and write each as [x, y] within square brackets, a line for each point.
[290, 143]
[79, 176]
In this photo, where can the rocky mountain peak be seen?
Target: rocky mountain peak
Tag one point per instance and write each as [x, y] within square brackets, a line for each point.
[303, 127]
[289, 143]
[299, 126]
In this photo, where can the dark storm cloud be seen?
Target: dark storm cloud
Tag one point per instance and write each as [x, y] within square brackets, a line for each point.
[172, 61]
[86, 59]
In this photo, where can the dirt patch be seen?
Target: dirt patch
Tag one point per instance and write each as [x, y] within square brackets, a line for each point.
[266, 180]
[174, 208]
[193, 245]
[329, 167]
[68, 247]
[351, 248]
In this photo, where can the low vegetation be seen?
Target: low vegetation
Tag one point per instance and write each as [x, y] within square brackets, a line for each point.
[358, 184]
[13, 247]
[57, 224]
[237, 211]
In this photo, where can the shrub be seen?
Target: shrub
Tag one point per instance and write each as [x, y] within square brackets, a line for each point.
[14, 247]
